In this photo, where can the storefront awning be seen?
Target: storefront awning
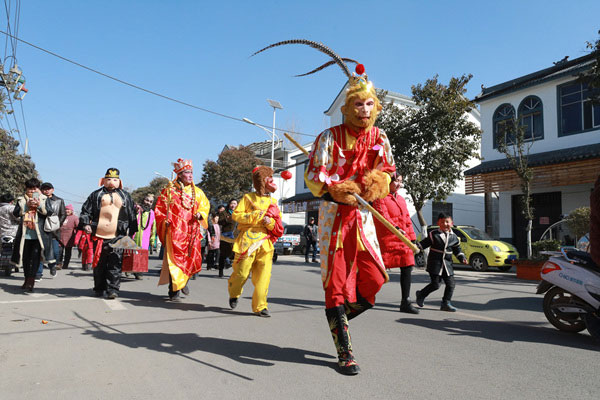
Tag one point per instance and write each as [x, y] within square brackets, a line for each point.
[301, 202]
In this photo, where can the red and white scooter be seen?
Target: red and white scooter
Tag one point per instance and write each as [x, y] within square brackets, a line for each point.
[571, 282]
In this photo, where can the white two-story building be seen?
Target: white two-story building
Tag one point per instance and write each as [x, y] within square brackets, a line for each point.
[564, 128]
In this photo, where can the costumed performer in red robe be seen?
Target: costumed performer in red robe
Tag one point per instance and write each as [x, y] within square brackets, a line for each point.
[180, 211]
[354, 157]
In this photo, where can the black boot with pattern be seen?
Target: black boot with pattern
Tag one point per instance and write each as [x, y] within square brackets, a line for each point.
[338, 325]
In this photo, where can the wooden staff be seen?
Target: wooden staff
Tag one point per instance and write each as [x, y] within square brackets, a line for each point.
[373, 211]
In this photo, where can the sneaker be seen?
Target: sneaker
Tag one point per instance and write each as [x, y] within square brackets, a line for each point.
[407, 307]
[233, 302]
[419, 299]
[53, 271]
[112, 295]
[263, 313]
[38, 278]
[185, 290]
[174, 297]
[59, 267]
[447, 306]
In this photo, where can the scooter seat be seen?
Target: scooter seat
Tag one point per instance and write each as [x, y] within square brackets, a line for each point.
[583, 259]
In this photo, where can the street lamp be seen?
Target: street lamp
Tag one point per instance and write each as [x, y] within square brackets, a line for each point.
[276, 105]
[272, 134]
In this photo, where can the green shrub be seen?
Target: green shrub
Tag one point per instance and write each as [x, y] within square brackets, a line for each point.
[578, 221]
[544, 245]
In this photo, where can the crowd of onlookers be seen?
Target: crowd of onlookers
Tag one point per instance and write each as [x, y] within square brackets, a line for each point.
[42, 231]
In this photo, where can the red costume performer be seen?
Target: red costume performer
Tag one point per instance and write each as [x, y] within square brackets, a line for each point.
[395, 253]
[354, 157]
[180, 210]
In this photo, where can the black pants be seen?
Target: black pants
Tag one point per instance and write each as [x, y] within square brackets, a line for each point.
[32, 252]
[107, 274]
[64, 256]
[405, 279]
[435, 285]
[225, 250]
[309, 244]
[212, 258]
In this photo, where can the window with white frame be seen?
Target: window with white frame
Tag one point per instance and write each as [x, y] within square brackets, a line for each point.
[503, 120]
[576, 112]
[531, 117]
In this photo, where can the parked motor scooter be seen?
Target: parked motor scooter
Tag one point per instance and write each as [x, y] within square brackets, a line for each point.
[571, 282]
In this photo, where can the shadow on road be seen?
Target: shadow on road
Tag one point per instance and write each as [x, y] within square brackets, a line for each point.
[183, 344]
[531, 332]
[507, 303]
[299, 303]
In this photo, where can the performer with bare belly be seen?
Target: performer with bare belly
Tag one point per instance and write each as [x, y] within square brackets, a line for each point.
[109, 215]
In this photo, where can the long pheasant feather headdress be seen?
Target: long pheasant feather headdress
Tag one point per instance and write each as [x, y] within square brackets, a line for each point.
[359, 81]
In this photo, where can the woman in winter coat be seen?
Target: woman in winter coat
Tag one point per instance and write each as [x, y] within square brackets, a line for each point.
[394, 252]
[67, 238]
[28, 247]
[214, 241]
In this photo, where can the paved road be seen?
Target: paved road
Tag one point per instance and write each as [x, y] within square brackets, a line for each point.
[498, 346]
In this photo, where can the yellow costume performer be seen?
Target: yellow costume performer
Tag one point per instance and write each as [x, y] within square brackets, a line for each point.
[180, 210]
[259, 226]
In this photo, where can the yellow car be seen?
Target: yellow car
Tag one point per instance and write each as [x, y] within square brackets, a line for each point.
[480, 249]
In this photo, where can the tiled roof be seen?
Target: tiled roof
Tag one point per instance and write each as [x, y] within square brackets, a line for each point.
[300, 197]
[560, 69]
[539, 159]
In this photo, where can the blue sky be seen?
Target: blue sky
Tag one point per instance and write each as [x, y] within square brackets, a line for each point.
[79, 123]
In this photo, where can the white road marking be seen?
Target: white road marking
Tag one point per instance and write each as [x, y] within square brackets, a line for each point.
[46, 300]
[115, 305]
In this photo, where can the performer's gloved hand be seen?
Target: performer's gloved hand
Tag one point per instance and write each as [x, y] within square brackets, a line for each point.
[342, 192]
[375, 185]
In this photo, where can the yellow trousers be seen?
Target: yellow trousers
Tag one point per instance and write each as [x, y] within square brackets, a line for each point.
[259, 263]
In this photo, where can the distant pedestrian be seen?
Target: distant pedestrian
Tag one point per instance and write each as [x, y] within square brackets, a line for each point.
[214, 242]
[53, 224]
[68, 230]
[394, 252]
[227, 235]
[443, 243]
[146, 233]
[311, 233]
[28, 250]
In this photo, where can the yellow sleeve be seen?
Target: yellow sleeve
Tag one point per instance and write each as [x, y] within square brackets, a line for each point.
[246, 213]
[202, 206]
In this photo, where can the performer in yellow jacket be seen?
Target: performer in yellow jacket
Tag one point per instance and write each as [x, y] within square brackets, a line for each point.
[259, 226]
[180, 211]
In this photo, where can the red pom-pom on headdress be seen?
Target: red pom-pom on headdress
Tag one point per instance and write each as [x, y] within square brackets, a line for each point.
[360, 69]
[255, 169]
[286, 175]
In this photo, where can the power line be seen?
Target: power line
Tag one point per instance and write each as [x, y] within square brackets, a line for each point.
[147, 90]
[25, 126]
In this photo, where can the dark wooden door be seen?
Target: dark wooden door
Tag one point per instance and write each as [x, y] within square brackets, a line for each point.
[547, 210]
